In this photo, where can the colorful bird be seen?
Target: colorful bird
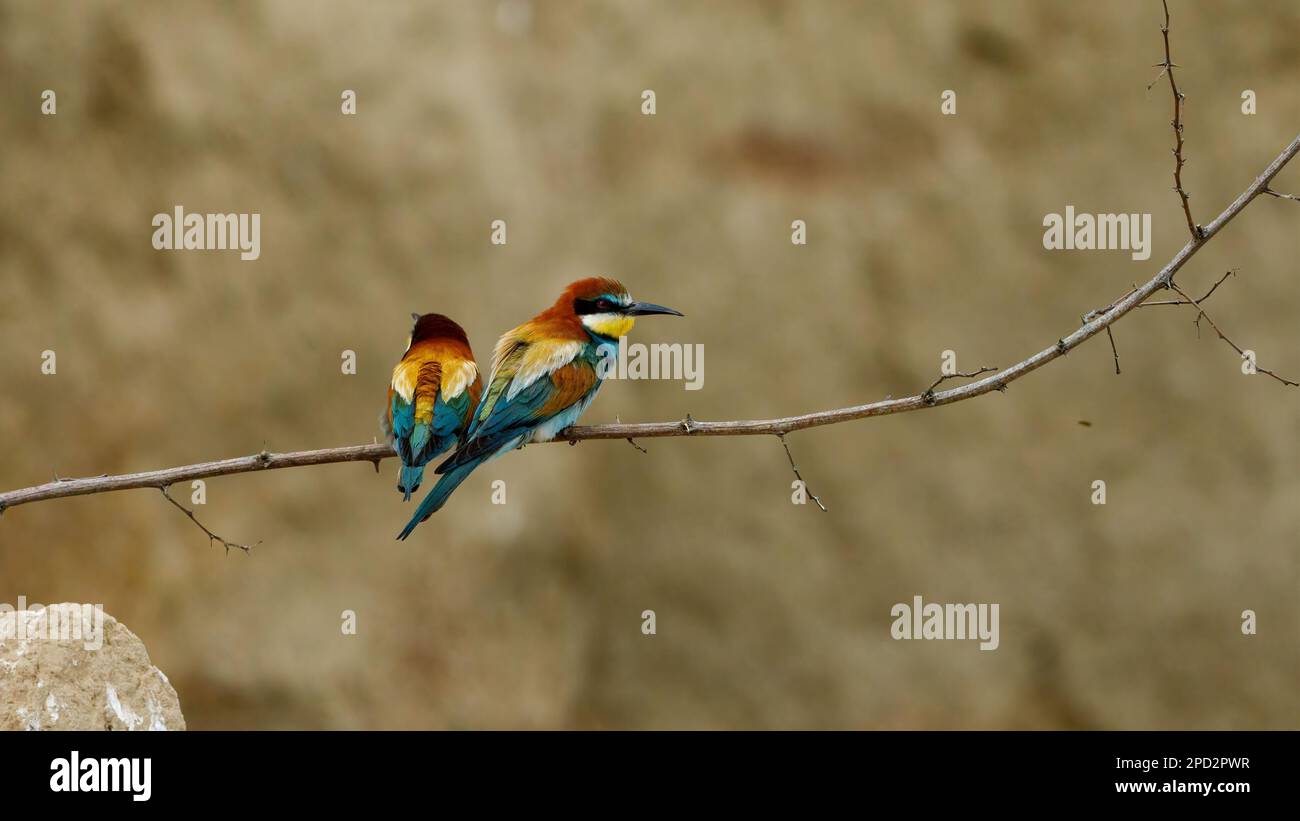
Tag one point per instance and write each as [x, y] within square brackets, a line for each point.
[432, 397]
[544, 375]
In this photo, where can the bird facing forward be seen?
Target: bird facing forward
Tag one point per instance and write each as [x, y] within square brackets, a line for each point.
[544, 375]
[432, 396]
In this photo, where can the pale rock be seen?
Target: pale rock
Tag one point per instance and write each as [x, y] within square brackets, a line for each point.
[66, 682]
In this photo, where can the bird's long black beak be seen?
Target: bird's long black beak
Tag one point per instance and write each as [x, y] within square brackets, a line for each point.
[649, 308]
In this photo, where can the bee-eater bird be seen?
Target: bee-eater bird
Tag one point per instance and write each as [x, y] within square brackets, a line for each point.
[432, 396]
[544, 375]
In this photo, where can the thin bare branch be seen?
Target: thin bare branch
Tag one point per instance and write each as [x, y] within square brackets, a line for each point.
[1202, 314]
[1281, 196]
[1208, 294]
[1163, 69]
[1167, 70]
[1113, 350]
[795, 468]
[212, 537]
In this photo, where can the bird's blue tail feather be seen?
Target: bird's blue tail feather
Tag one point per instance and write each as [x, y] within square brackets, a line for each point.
[408, 481]
[438, 496]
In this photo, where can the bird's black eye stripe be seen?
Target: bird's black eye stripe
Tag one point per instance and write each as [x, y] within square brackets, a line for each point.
[594, 306]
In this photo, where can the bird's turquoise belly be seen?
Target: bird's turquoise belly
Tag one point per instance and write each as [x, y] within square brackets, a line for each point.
[546, 431]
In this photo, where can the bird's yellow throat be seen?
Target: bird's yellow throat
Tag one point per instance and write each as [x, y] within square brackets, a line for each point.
[610, 325]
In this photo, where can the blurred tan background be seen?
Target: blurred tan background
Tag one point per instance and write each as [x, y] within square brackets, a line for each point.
[924, 234]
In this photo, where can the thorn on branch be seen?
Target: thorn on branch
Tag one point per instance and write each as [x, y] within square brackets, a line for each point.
[212, 537]
[795, 468]
[688, 424]
[1281, 196]
[633, 443]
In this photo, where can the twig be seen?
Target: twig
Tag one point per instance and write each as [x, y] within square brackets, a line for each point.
[929, 392]
[1096, 312]
[1208, 294]
[795, 468]
[630, 440]
[212, 537]
[1281, 196]
[1167, 70]
[1201, 313]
